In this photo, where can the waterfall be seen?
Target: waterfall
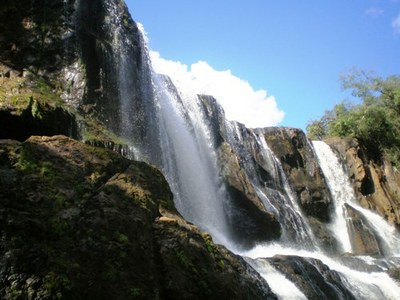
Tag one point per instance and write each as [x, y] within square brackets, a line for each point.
[188, 160]
[343, 194]
[179, 143]
[276, 194]
[179, 140]
[291, 216]
[341, 191]
[375, 285]
[278, 283]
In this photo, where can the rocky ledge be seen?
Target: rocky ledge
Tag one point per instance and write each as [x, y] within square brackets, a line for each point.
[79, 222]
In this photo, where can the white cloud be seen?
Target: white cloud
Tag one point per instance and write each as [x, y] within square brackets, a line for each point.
[374, 12]
[240, 101]
[396, 24]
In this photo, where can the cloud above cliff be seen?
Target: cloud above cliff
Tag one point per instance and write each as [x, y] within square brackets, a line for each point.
[240, 100]
[374, 12]
[396, 24]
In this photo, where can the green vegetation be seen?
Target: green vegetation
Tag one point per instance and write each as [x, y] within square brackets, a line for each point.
[18, 94]
[375, 120]
[210, 246]
[183, 259]
[135, 293]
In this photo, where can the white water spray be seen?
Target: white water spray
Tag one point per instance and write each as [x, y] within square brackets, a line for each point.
[279, 284]
[364, 285]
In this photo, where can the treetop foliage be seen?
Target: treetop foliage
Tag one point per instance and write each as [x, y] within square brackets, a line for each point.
[375, 120]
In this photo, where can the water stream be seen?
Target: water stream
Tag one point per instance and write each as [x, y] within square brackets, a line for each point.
[188, 161]
[343, 193]
[180, 143]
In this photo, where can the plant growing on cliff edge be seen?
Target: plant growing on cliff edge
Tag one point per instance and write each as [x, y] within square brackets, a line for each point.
[210, 246]
[375, 120]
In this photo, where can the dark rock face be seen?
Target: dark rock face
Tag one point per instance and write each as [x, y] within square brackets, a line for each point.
[299, 162]
[69, 44]
[30, 106]
[117, 78]
[192, 267]
[33, 34]
[312, 277]
[324, 236]
[37, 119]
[216, 116]
[80, 222]
[247, 216]
[376, 183]
[72, 218]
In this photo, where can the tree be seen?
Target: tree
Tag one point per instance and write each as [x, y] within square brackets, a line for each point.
[375, 121]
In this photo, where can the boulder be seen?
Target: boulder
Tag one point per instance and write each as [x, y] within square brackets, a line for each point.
[193, 267]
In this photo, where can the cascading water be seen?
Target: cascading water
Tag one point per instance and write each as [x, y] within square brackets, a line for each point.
[291, 213]
[178, 142]
[276, 194]
[182, 147]
[188, 161]
[375, 285]
[340, 189]
[343, 194]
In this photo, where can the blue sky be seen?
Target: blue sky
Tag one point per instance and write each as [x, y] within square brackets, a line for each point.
[294, 50]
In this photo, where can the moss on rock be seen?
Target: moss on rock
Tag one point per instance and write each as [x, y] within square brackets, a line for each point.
[80, 222]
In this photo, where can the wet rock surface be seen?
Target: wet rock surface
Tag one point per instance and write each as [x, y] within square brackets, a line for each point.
[247, 216]
[312, 277]
[299, 162]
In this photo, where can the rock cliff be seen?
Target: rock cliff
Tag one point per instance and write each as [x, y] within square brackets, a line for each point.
[64, 52]
[81, 222]
[246, 167]
[376, 183]
[257, 223]
[314, 278]
[77, 221]
[299, 161]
